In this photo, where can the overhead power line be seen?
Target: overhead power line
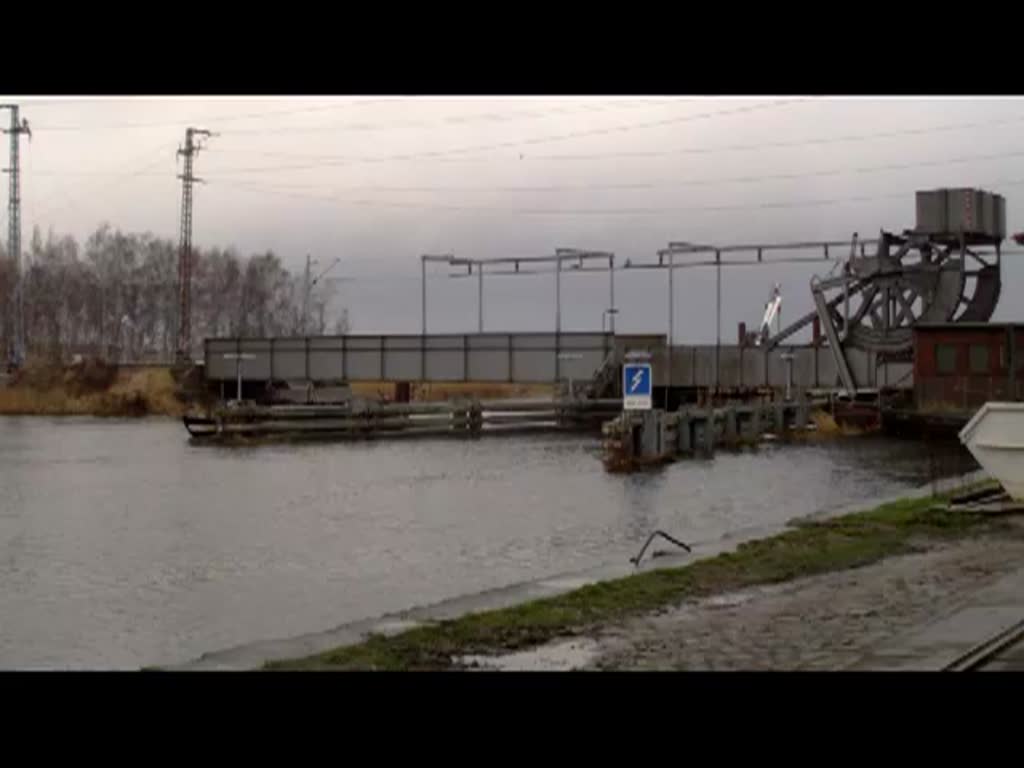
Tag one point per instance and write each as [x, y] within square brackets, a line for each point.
[645, 210]
[795, 143]
[520, 142]
[624, 186]
[453, 119]
[161, 150]
[665, 183]
[322, 159]
[493, 117]
[176, 123]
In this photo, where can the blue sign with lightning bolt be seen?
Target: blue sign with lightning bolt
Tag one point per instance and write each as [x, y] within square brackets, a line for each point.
[636, 386]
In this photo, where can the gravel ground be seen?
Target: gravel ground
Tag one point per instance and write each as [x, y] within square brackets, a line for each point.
[827, 622]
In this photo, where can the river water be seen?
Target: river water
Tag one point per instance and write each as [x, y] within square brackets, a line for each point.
[123, 545]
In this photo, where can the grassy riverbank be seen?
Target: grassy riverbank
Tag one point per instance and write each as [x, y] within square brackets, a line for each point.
[90, 389]
[811, 548]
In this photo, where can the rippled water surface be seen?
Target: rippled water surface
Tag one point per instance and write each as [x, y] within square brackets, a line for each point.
[123, 545]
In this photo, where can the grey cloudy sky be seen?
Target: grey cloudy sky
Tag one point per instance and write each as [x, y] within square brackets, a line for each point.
[377, 181]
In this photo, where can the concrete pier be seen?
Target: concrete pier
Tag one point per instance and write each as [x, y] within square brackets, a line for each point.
[637, 438]
[361, 420]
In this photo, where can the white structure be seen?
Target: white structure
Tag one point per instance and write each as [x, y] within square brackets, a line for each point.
[772, 313]
[995, 437]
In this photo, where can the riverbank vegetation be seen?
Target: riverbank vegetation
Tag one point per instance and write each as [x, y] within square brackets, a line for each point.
[810, 548]
[115, 296]
[90, 388]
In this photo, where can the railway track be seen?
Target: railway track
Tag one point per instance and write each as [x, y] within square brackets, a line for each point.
[1002, 651]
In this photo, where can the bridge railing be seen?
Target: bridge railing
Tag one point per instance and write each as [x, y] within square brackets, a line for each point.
[487, 357]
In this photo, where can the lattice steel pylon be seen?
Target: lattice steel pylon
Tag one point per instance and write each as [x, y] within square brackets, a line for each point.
[189, 151]
[17, 128]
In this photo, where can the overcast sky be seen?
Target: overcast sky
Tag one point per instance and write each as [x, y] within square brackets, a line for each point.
[379, 181]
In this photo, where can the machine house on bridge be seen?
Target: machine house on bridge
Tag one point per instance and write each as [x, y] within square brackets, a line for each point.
[958, 367]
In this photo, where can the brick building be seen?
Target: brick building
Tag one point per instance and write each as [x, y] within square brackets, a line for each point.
[960, 366]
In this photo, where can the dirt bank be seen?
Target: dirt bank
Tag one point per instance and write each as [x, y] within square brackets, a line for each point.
[91, 388]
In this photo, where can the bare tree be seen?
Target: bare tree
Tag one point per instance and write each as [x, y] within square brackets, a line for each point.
[118, 296]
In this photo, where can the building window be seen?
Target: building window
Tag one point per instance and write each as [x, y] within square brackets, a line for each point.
[945, 358]
[979, 359]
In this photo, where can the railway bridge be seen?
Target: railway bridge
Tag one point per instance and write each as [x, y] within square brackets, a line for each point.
[590, 362]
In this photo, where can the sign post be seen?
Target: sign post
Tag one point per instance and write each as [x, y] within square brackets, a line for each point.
[239, 357]
[637, 386]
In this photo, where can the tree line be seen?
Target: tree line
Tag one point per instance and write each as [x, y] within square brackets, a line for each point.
[117, 297]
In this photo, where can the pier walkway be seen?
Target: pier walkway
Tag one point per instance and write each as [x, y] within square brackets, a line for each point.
[986, 614]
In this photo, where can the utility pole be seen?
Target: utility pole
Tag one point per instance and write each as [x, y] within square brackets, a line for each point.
[14, 226]
[480, 298]
[189, 151]
[305, 298]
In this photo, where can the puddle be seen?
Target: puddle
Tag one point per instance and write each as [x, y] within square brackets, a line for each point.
[396, 627]
[729, 601]
[556, 657]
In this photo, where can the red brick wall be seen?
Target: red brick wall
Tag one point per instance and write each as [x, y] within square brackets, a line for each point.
[964, 388]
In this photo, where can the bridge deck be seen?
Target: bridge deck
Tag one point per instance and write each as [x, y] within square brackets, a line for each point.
[487, 357]
[526, 358]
